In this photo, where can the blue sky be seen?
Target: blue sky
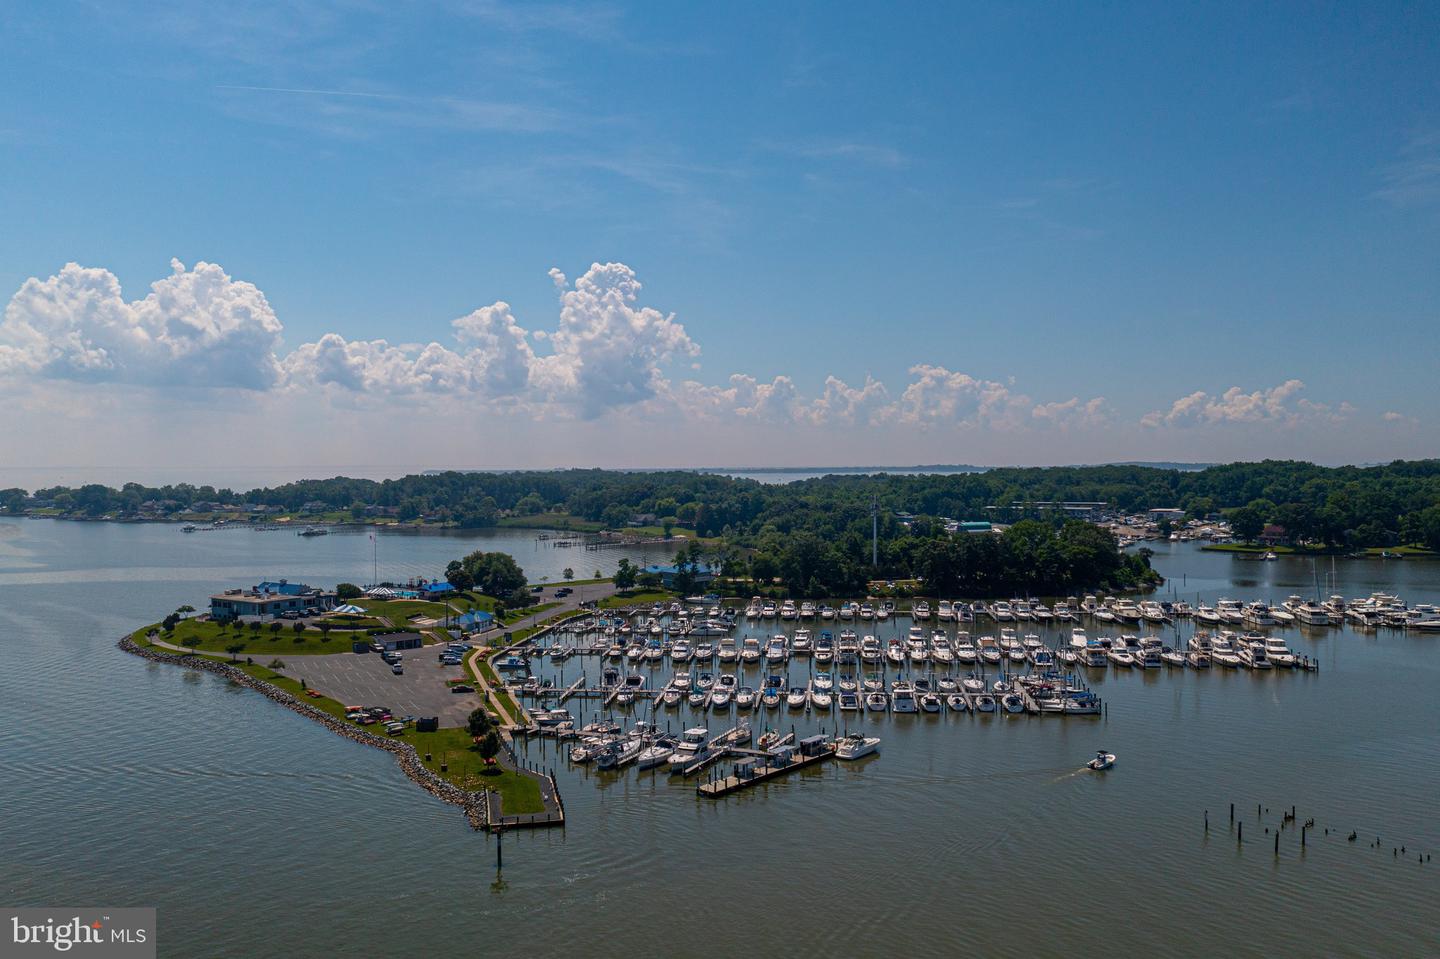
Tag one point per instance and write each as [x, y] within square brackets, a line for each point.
[1046, 233]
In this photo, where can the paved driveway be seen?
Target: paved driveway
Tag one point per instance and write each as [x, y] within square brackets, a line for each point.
[364, 679]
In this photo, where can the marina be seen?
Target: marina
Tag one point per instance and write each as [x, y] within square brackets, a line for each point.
[987, 790]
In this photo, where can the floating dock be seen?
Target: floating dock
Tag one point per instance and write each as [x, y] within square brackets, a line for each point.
[718, 788]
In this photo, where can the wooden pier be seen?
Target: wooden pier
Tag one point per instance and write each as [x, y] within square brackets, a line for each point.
[715, 789]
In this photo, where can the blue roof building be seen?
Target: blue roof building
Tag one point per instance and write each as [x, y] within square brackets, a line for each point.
[283, 588]
[437, 588]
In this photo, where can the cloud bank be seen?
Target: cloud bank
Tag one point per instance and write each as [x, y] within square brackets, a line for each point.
[606, 353]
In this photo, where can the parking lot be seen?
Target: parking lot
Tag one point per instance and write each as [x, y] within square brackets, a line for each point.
[364, 679]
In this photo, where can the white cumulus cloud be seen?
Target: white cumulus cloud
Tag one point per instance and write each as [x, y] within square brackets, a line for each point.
[1280, 405]
[196, 328]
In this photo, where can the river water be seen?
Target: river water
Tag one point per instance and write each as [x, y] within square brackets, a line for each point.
[257, 832]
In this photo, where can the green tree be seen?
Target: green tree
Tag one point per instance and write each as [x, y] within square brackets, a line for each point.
[348, 591]
[478, 724]
[234, 649]
[495, 574]
[1246, 522]
[568, 573]
[626, 574]
[490, 746]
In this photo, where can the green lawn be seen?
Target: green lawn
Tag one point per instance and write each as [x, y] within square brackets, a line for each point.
[1403, 550]
[213, 637]
[639, 597]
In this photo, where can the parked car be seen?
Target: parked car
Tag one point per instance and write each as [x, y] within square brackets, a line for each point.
[397, 668]
[462, 688]
[377, 648]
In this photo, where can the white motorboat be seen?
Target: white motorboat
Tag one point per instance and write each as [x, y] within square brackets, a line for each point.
[694, 745]
[902, 697]
[965, 652]
[797, 698]
[920, 610]
[671, 697]
[985, 703]
[1012, 703]
[750, 650]
[855, 746]
[957, 703]
[1102, 760]
[745, 698]
[848, 700]
[1278, 653]
[820, 699]
[895, 652]
[944, 611]
[870, 651]
[941, 650]
[876, 702]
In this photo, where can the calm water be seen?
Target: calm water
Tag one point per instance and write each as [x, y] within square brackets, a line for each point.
[132, 784]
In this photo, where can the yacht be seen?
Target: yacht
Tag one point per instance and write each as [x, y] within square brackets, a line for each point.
[1312, 614]
[694, 745]
[1153, 612]
[870, 651]
[1257, 616]
[797, 697]
[920, 610]
[848, 652]
[752, 611]
[848, 700]
[847, 610]
[745, 698]
[775, 651]
[681, 651]
[1041, 613]
[1229, 611]
[989, 649]
[876, 702]
[895, 652]
[1222, 649]
[728, 652]
[750, 650]
[917, 650]
[941, 650]
[1119, 655]
[867, 611]
[1252, 654]
[802, 645]
[1148, 654]
[807, 610]
[1002, 612]
[825, 648]
[902, 697]
[827, 611]
[1127, 612]
[1278, 653]
[820, 698]
[965, 652]
[771, 693]
[856, 746]
[944, 611]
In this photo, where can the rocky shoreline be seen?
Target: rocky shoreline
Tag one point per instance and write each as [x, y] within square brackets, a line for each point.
[473, 803]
